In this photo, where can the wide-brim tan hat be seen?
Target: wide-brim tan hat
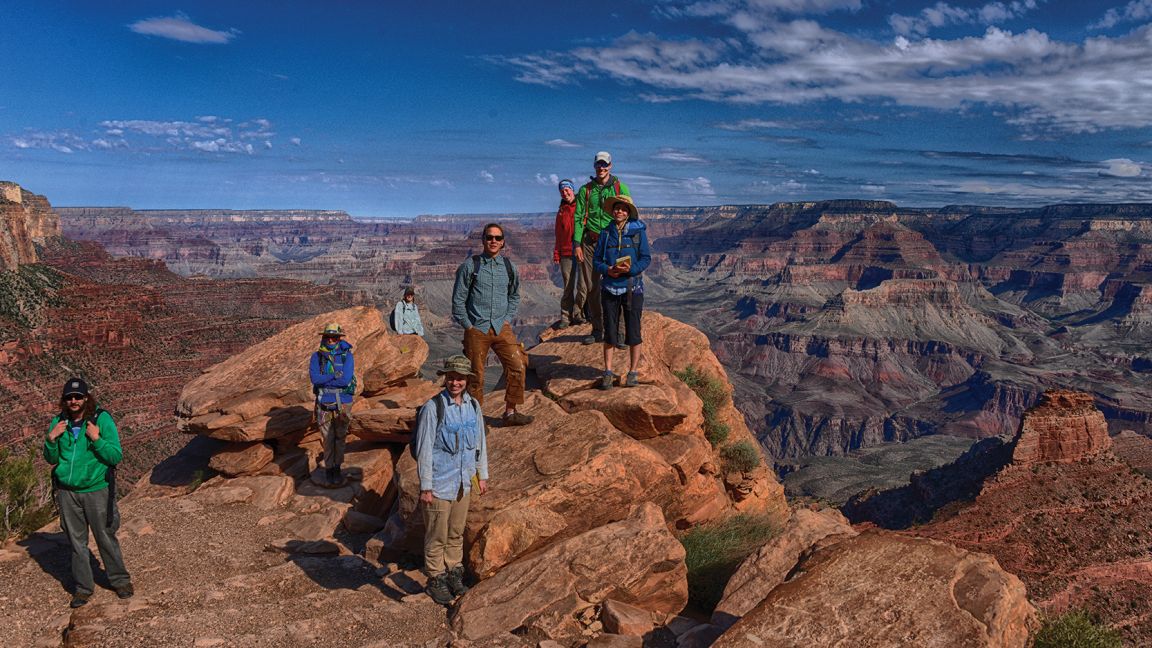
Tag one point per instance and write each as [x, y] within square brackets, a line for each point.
[332, 329]
[456, 364]
[611, 201]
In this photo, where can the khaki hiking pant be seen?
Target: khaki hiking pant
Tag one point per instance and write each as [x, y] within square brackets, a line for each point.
[80, 512]
[333, 428]
[507, 348]
[444, 533]
[589, 291]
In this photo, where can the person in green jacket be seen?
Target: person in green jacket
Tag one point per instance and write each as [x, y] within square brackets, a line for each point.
[83, 446]
[591, 219]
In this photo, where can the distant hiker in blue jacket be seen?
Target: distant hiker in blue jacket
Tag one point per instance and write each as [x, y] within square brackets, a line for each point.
[406, 315]
[622, 255]
[332, 370]
[83, 447]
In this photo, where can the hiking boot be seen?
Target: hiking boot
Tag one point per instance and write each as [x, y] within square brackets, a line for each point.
[560, 326]
[125, 591]
[579, 321]
[437, 590]
[593, 339]
[79, 599]
[632, 379]
[455, 578]
[517, 418]
[606, 380]
[621, 346]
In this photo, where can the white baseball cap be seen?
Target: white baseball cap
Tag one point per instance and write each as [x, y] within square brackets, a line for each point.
[603, 156]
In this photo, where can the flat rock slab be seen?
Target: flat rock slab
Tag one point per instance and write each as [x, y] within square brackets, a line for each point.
[636, 561]
[882, 590]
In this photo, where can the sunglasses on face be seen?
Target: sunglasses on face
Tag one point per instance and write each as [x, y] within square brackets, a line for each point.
[74, 398]
[603, 165]
[493, 237]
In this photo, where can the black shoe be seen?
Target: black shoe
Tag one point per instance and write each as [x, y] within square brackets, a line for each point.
[592, 339]
[606, 381]
[579, 321]
[125, 592]
[621, 346]
[437, 590]
[455, 578]
[79, 600]
[560, 326]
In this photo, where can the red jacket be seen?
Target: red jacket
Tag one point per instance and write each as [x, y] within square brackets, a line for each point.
[565, 230]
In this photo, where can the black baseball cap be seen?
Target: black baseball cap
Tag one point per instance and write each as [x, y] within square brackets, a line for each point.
[75, 386]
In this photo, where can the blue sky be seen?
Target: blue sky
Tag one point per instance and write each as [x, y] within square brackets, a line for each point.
[398, 109]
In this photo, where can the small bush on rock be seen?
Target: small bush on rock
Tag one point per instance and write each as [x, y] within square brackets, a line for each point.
[1076, 629]
[26, 499]
[714, 397]
[741, 456]
[714, 551]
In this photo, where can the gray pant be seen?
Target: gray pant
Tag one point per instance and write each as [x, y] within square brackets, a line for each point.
[333, 428]
[590, 290]
[570, 311]
[78, 513]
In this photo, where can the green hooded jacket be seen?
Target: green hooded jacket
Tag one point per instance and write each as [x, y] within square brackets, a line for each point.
[81, 464]
[590, 212]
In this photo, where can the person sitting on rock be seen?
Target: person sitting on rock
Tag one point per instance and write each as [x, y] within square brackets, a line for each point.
[485, 298]
[332, 370]
[406, 315]
[83, 447]
[451, 454]
[622, 254]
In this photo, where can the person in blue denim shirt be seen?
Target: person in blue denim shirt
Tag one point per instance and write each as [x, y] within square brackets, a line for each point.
[451, 451]
[622, 255]
[406, 315]
[332, 371]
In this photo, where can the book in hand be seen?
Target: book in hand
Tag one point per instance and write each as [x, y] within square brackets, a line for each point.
[624, 262]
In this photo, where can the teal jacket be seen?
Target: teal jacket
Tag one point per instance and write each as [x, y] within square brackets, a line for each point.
[80, 464]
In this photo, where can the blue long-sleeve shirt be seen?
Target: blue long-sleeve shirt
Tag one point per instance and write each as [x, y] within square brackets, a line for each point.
[491, 303]
[331, 372]
[612, 246]
[450, 451]
[407, 318]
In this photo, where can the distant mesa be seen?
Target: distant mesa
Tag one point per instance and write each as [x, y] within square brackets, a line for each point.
[25, 218]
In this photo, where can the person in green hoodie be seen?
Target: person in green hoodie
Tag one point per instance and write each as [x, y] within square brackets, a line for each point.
[83, 447]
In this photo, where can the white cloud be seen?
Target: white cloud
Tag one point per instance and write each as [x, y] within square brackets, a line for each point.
[788, 186]
[1120, 168]
[486, 176]
[698, 186]
[180, 28]
[59, 141]
[550, 180]
[207, 134]
[676, 155]
[294, 141]
[1039, 84]
[754, 124]
[943, 14]
[562, 143]
[872, 189]
[1134, 11]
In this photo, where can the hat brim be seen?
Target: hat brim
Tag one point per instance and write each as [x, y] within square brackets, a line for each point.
[330, 334]
[611, 201]
[74, 393]
[444, 372]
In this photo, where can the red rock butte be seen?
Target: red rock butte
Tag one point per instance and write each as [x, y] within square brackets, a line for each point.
[1064, 427]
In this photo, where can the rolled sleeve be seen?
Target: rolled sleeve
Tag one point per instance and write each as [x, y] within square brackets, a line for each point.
[460, 297]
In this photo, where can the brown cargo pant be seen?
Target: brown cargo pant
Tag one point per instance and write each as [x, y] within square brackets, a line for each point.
[507, 348]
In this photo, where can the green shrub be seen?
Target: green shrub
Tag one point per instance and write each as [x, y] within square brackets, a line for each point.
[1076, 629]
[714, 397]
[25, 497]
[714, 551]
[716, 434]
[741, 456]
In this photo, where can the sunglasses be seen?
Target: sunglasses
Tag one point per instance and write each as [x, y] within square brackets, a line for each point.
[75, 397]
[603, 165]
[493, 237]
